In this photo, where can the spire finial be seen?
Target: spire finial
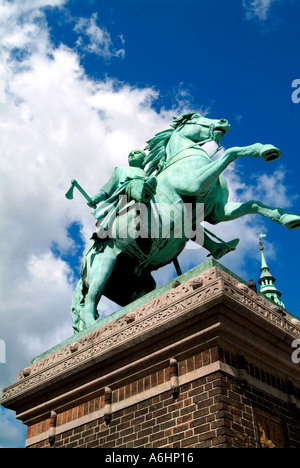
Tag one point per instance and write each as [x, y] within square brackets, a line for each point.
[260, 237]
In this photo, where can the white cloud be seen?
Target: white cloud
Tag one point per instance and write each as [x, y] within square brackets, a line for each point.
[258, 8]
[11, 432]
[271, 188]
[56, 124]
[96, 40]
[20, 21]
[274, 190]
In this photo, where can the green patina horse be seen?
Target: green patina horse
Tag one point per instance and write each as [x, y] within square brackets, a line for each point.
[120, 265]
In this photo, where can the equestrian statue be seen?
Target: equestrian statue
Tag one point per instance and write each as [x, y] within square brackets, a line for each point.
[143, 210]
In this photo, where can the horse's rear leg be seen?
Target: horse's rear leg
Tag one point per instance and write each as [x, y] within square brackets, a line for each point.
[218, 249]
[232, 211]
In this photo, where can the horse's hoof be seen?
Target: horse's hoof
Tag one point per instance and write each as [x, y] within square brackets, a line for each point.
[270, 153]
[290, 221]
[224, 249]
[233, 244]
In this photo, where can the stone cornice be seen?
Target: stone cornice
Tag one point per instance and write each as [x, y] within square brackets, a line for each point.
[161, 313]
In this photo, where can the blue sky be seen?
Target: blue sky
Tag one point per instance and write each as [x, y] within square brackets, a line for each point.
[84, 82]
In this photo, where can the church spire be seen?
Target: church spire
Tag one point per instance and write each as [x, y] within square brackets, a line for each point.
[267, 280]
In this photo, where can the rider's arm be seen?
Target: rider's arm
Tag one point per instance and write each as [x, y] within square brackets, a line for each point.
[108, 189]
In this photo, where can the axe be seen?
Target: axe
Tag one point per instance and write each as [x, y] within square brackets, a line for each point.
[69, 194]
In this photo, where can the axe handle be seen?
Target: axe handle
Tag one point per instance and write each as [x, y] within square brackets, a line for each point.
[76, 184]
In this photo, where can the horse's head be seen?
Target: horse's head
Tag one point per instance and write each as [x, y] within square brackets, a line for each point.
[199, 128]
[190, 126]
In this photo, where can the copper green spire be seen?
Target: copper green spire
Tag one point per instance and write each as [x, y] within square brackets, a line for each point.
[267, 280]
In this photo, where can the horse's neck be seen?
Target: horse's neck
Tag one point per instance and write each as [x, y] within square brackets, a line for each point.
[180, 147]
[178, 143]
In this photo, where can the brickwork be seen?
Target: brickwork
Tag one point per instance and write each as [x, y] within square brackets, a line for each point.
[212, 411]
[198, 418]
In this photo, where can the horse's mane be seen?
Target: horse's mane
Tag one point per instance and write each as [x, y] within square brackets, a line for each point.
[158, 144]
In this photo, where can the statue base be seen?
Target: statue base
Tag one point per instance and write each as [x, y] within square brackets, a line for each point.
[201, 362]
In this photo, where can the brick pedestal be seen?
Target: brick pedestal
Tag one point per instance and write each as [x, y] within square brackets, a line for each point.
[203, 363]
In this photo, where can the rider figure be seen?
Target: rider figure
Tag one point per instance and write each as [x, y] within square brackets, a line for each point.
[130, 181]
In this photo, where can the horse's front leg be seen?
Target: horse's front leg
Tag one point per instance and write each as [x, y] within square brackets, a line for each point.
[102, 267]
[205, 176]
[258, 150]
